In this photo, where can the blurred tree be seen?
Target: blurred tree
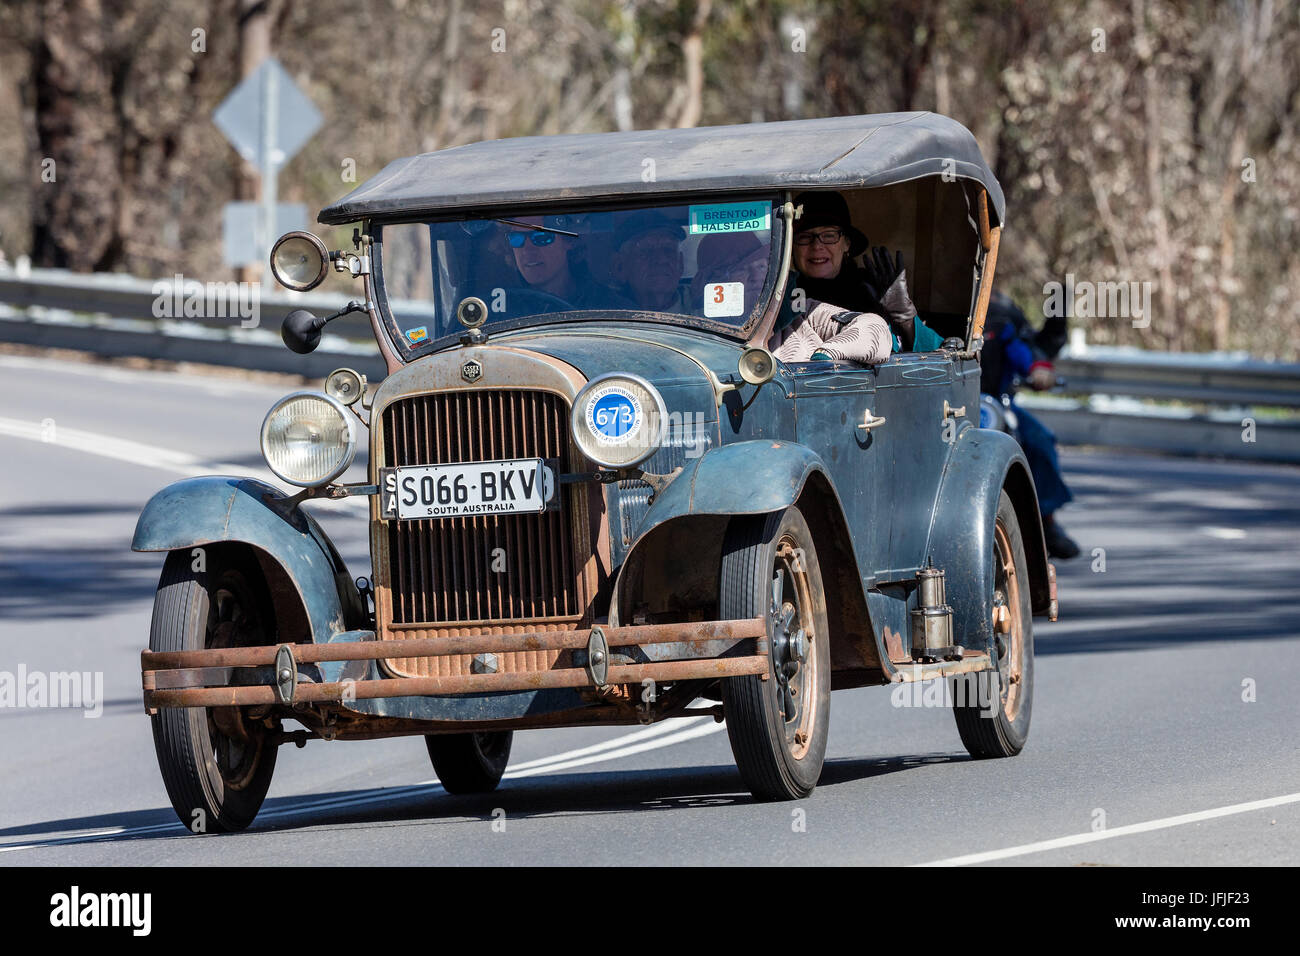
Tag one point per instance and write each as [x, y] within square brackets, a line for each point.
[1136, 140]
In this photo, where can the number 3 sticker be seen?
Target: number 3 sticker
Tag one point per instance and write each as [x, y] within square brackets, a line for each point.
[724, 299]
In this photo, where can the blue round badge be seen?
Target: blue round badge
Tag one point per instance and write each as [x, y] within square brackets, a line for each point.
[613, 415]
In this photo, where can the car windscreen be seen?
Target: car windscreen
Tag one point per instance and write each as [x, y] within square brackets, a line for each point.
[705, 263]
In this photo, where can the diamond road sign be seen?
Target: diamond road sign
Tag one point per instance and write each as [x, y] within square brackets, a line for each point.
[267, 118]
[245, 239]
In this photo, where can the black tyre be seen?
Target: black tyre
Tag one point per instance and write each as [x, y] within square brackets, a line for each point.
[778, 726]
[993, 708]
[216, 765]
[470, 763]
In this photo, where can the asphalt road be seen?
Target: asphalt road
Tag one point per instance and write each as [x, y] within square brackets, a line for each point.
[1165, 712]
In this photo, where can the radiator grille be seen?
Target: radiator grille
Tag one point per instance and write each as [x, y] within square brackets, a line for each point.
[482, 568]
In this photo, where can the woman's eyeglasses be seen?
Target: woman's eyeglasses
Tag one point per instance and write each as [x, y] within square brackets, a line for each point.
[827, 237]
[539, 238]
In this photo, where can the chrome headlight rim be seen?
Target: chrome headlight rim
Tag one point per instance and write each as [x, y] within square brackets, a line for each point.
[350, 449]
[590, 445]
[318, 247]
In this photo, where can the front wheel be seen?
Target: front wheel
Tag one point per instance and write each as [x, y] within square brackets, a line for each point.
[993, 707]
[470, 763]
[215, 764]
[778, 726]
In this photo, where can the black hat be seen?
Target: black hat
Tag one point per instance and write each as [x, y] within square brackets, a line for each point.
[643, 221]
[829, 209]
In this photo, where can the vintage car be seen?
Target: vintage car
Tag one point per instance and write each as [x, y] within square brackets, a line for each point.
[595, 497]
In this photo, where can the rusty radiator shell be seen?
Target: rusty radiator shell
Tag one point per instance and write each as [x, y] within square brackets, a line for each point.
[434, 578]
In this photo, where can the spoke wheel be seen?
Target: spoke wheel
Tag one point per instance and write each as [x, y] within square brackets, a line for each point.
[216, 765]
[993, 708]
[778, 726]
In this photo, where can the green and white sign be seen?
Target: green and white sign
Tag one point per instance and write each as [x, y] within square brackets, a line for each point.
[730, 217]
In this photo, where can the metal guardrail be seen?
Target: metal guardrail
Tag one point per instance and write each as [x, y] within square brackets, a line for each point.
[117, 316]
[1214, 379]
[127, 297]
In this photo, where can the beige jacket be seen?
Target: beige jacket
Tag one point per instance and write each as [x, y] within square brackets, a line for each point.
[862, 337]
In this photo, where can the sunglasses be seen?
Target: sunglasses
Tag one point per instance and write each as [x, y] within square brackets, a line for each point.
[827, 237]
[540, 238]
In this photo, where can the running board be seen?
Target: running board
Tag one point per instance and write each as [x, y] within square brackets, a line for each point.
[971, 662]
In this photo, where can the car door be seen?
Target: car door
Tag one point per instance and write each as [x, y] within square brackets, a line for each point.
[835, 410]
[911, 389]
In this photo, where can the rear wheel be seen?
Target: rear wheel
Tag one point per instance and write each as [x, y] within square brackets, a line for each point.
[216, 765]
[993, 708]
[470, 763]
[778, 726]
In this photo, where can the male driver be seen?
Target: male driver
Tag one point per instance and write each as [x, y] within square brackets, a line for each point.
[648, 261]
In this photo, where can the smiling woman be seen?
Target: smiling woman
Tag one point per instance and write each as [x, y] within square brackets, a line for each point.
[711, 261]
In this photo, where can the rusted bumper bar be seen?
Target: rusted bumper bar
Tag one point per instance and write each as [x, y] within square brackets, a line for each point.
[153, 663]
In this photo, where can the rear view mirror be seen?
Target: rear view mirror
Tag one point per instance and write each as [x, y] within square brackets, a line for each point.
[301, 331]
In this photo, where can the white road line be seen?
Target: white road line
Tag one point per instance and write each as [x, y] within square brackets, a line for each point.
[219, 385]
[151, 456]
[623, 746]
[691, 733]
[645, 733]
[1082, 838]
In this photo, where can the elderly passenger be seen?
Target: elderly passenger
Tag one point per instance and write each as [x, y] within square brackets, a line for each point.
[825, 246]
[822, 332]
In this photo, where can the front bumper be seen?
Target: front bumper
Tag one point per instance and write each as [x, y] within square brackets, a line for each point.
[238, 676]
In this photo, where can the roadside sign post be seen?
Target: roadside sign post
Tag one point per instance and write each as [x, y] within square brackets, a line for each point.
[267, 118]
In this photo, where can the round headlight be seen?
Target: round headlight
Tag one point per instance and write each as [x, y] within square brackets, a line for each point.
[619, 420]
[308, 439]
[299, 260]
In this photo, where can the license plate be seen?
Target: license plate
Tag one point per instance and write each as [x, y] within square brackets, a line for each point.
[517, 486]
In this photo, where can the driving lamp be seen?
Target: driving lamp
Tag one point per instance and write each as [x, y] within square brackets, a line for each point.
[346, 385]
[299, 261]
[757, 365]
[308, 439]
[618, 420]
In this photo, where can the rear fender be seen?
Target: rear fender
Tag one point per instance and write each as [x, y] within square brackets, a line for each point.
[291, 546]
[983, 463]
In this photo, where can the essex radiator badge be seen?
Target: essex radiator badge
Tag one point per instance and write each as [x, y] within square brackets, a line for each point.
[471, 371]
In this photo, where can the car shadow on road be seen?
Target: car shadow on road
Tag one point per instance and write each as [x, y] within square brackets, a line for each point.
[48, 582]
[567, 794]
[1155, 597]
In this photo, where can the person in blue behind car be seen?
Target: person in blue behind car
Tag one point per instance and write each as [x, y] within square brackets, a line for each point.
[1012, 350]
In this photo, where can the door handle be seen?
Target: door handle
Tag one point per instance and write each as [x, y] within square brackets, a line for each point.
[870, 421]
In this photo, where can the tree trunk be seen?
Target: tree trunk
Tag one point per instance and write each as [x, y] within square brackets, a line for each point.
[76, 196]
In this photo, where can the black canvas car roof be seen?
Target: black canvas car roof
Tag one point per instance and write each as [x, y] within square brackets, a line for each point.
[839, 152]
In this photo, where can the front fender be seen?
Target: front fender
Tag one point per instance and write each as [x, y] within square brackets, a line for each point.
[743, 478]
[213, 509]
[983, 462]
